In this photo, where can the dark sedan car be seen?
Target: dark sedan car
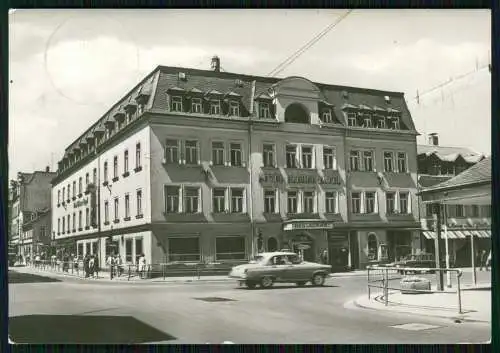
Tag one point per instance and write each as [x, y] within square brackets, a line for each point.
[424, 260]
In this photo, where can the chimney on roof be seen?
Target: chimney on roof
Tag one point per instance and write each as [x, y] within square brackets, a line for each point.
[216, 63]
[47, 169]
[434, 139]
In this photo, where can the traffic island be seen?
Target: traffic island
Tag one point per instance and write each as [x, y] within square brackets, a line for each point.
[476, 305]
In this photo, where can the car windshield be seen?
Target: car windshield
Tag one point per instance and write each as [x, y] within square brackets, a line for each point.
[257, 259]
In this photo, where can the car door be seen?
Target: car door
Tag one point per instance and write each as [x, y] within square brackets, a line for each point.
[298, 270]
[276, 268]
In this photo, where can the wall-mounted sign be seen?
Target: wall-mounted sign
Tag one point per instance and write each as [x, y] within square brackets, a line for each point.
[300, 179]
[80, 203]
[308, 225]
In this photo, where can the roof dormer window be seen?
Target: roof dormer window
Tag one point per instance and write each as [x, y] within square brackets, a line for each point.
[196, 105]
[326, 115]
[351, 119]
[380, 121]
[367, 121]
[215, 106]
[395, 123]
[176, 104]
[234, 108]
[264, 110]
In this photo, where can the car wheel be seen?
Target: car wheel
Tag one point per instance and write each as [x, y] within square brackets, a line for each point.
[266, 282]
[250, 285]
[301, 284]
[318, 279]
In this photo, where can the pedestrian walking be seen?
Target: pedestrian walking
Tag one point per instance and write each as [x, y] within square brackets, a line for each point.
[488, 262]
[482, 260]
[95, 273]
[142, 266]
[75, 263]
[86, 265]
[324, 257]
[119, 265]
[37, 260]
[110, 261]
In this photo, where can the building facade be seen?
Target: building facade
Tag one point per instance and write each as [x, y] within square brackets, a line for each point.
[437, 164]
[194, 165]
[30, 195]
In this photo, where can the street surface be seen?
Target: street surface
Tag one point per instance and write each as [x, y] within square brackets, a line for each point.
[176, 313]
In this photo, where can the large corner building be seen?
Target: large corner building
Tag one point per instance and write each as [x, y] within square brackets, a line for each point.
[194, 165]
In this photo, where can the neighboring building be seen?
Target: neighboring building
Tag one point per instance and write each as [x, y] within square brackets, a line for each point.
[36, 233]
[30, 193]
[194, 165]
[437, 164]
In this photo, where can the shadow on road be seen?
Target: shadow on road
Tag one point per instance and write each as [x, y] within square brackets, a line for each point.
[290, 286]
[17, 277]
[80, 329]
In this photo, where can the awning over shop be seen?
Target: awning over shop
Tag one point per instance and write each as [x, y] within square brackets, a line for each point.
[459, 234]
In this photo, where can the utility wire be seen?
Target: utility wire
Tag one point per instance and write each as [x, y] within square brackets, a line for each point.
[306, 46]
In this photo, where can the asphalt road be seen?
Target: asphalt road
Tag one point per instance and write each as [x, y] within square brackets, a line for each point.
[74, 311]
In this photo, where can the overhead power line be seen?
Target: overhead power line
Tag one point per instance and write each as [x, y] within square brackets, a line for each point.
[306, 46]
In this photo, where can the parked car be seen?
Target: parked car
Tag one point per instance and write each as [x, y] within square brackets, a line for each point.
[423, 260]
[279, 267]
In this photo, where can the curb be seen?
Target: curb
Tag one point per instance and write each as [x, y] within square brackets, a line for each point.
[357, 304]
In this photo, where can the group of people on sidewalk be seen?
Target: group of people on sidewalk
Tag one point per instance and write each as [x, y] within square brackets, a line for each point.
[117, 267]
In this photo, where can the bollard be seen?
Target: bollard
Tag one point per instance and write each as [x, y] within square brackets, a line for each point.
[386, 284]
[459, 274]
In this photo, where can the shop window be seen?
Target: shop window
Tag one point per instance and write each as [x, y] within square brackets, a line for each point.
[138, 248]
[79, 250]
[184, 249]
[87, 248]
[95, 248]
[230, 248]
[272, 244]
[128, 250]
[372, 247]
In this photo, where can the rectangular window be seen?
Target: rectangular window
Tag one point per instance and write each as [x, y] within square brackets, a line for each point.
[58, 196]
[354, 161]
[308, 202]
[106, 212]
[105, 171]
[368, 161]
[79, 249]
[172, 151]
[87, 179]
[236, 200]
[235, 150]
[356, 202]
[191, 152]
[370, 202]
[395, 123]
[58, 225]
[94, 176]
[116, 208]
[172, 199]
[74, 221]
[234, 108]
[329, 161]
[403, 202]
[63, 224]
[291, 156]
[268, 155]
[474, 211]
[215, 107]
[388, 161]
[219, 200]
[80, 185]
[269, 201]
[74, 188]
[127, 206]
[184, 249]
[331, 202]
[367, 121]
[230, 248]
[115, 167]
[351, 119]
[191, 199]
[460, 210]
[380, 122]
[307, 154]
[128, 250]
[264, 111]
[87, 248]
[138, 155]
[80, 219]
[326, 116]
[218, 153]
[125, 161]
[390, 202]
[196, 105]
[292, 202]
[402, 162]
[69, 192]
[87, 217]
[176, 103]
[139, 202]
[63, 192]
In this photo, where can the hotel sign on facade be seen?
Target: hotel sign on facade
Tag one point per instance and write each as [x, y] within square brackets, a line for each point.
[275, 178]
[308, 225]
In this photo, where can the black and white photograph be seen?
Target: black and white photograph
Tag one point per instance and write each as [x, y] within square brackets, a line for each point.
[244, 176]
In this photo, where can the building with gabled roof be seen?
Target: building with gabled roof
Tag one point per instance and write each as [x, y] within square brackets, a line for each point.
[195, 165]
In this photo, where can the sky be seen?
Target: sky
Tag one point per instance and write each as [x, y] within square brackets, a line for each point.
[68, 67]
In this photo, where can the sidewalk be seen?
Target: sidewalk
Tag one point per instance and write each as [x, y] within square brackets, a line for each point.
[476, 303]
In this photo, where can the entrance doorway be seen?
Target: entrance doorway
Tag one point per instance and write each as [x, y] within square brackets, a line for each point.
[338, 250]
[303, 244]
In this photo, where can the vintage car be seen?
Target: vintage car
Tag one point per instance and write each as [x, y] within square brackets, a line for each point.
[279, 267]
[423, 260]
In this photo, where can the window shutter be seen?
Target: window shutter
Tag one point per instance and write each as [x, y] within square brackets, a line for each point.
[409, 203]
[227, 157]
[198, 152]
[181, 152]
[181, 199]
[336, 202]
[396, 202]
[313, 157]
[375, 207]
[300, 197]
[244, 206]
[276, 201]
[200, 201]
[362, 202]
[227, 200]
[315, 202]
[297, 155]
